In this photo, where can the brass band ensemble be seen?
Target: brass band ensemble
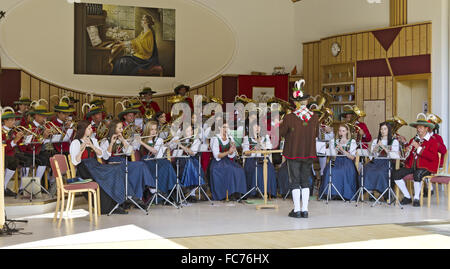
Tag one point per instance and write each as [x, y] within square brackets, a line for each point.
[167, 164]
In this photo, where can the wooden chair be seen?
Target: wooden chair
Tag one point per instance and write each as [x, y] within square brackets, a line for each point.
[59, 165]
[442, 177]
[73, 173]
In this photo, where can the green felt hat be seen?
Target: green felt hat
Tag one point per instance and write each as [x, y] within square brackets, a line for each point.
[423, 123]
[146, 90]
[94, 110]
[126, 111]
[64, 107]
[40, 110]
[23, 101]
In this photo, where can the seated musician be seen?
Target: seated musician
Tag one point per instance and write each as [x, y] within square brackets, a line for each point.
[189, 167]
[364, 135]
[95, 116]
[128, 117]
[376, 172]
[145, 51]
[100, 103]
[63, 112]
[147, 102]
[23, 106]
[344, 174]
[151, 147]
[253, 163]
[422, 160]
[225, 174]
[43, 150]
[84, 151]
[115, 149]
[11, 139]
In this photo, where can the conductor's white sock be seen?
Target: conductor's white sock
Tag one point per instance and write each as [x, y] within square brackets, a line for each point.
[402, 186]
[8, 175]
[296, 199]
[417, 188]
[305, 199]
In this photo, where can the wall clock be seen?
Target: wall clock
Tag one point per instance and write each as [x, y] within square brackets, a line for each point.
[335, 49]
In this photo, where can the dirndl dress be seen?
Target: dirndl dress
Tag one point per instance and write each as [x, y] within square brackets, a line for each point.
[189, 172]
[167, 178]
[251, 172]
[376, 175]
[344, 178]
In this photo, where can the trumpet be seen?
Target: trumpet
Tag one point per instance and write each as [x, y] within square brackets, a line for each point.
[53, 128]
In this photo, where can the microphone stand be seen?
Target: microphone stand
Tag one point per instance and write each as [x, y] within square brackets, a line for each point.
[127, 197]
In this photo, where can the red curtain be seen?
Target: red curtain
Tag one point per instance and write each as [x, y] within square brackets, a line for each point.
[280, 83]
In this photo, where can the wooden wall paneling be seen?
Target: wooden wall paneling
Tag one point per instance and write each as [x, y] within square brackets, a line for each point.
[381, 88]
[354, 47]
[109, 106]
[371, 46]
[53, 100]
[343, 54]
[327, 53]
[360, 92]
[25, 85]
[367, 89]
[34, 89]
[210, 88]
[377, 48]
[423, 39]
[359, 47]
[416, 39]
[374, 88]
[45, 93]
[310, 78]
[218, 86]
[323, 52]
[316, 68]
[389, 97]
[348, 48]
[339, 57]
[429, 38]
[402, 44]
[365, 48]
[409, 41]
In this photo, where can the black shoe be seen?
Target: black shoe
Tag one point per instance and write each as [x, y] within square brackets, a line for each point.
[10, 193]
[405, 201]
[295, 214]
[126, 205]
[304, 214]
[416, 203]
[120, 211]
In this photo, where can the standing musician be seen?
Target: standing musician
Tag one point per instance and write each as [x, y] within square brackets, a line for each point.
[151, 147]
[63, 112]
[147, 102]
[182, 90]
[300, 131]
[23, 106]
[11, 139]
[254, 141]
[84, 151]
[113, 147]
[225, 174]
[421, 160]
[43, 150]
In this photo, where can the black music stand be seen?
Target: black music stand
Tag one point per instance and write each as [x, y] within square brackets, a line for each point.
[330, 183]
[360, 192]
[180, 197]
[389, 188]
[127, 197]
[256, 187]
[158, 193]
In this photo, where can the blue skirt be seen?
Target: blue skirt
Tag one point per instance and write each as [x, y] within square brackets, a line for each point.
[283, 179]
[110, 177]
[250, 174]
[189, 171]
[167, 178]
[139, 176]
[226, 175]
[376, 175]
[344, 178]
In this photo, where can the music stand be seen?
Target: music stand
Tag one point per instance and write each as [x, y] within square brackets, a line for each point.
[180, 198]
[389, 188]
[199, 186]
[157, 193]
[127, 197]
[33, 178]
[330, 182]
[360, 192]
[256, 187]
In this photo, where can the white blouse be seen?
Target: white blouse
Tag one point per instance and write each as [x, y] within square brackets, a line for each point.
[335, 152]
[266, 144]
[75, 147]
[395, 148]
[215, 146]
[106, 154]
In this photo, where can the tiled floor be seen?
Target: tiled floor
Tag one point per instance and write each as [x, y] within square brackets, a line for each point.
[201, 220]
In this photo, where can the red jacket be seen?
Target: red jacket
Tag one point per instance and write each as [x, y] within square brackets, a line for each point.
[442, 149]
[65, 145]
[427, 157]
[29, 148]
[367, 138]
[7, 140]
[146, 105]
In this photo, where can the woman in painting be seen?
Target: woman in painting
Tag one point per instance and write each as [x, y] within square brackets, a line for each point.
[145, 51]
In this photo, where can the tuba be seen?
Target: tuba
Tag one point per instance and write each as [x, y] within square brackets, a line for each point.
[396, 124]
[356, 113]
[102, 130]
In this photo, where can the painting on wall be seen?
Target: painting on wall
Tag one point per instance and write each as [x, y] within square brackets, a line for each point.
[124, 40]
[263, 94]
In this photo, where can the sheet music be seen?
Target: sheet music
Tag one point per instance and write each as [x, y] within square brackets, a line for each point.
[178, 153]
[28, 139]
[161, 151]
[56, 138]
[139, 122]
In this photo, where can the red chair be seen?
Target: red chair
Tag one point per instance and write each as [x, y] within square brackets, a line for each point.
[59, 165]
